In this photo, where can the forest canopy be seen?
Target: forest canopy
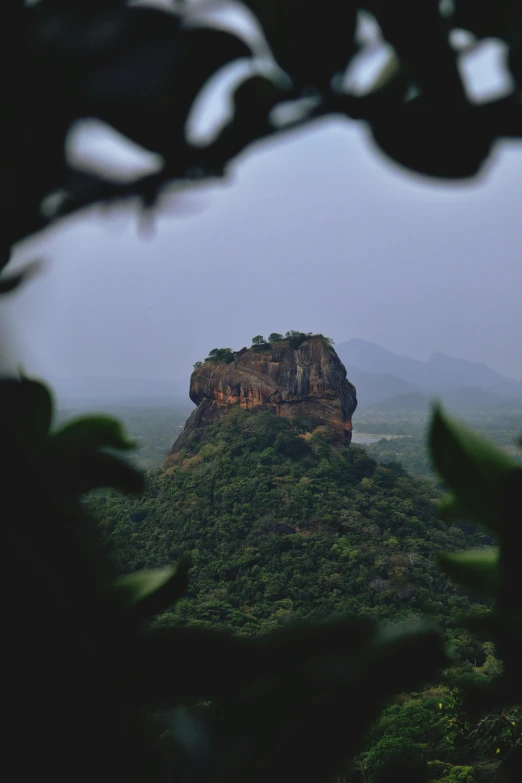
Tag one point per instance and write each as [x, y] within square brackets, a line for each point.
[283, 528]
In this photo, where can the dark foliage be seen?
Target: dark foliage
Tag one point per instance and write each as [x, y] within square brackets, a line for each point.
[220, 356]
[140, 69]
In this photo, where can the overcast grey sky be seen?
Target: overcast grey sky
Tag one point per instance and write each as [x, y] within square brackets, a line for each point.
[316, 232]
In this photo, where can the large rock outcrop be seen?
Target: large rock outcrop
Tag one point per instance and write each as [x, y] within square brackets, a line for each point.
[308, 381]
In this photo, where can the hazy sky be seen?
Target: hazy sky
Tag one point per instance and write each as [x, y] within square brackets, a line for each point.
[317, 232]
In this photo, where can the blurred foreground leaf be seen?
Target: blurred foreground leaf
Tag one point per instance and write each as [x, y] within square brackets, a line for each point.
[477, 570]
[92, 432]
[473, 469]
[147, 593]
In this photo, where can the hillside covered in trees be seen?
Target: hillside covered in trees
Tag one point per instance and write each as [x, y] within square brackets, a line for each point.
[283, 527]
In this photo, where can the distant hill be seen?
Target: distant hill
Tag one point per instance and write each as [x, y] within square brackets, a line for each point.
[468, 400]
[403, 403]
[372, 358]
[439, 375]
[475, 399]
[375, 387]
[507, 388]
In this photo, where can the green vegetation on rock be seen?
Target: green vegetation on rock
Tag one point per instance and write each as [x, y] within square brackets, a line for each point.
[220, 356]
[259, 344]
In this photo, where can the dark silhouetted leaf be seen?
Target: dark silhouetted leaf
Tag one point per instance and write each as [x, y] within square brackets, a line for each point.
[450, 509]
[306, 723]
[311, 42]
[146, 593]
[473, 468]
[26, 406]
[405, 770]
[92, 432]
[494, 624]
[10, 283]
[422, 46]
[489, 18]
[476, 570]
[82, 471]
[148, 95]
[406, 653]
[184, 665]
[438, 141]
[310, 642]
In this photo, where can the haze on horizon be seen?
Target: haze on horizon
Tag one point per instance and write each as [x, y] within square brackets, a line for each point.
[317, 232]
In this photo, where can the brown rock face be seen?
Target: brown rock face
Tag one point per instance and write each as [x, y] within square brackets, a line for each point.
[307, 381]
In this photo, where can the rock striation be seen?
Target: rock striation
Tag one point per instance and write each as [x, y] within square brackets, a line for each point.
[306, 381]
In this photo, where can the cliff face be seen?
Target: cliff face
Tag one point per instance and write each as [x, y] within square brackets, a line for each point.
[306, 381]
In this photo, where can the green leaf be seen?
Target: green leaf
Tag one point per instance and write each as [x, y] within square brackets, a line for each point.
[487, 20]
[473, 468]
[92, 432]
[428, 57]
[179, 665]
[449, 508]
[82, 472]
[307, 641]
[147, 93]
[496, 624]
[147, 593]
[477, 570]
[26, 407]
[446, 142]
[311, 45]
[10, 283]
[305, 724]
[405, 654]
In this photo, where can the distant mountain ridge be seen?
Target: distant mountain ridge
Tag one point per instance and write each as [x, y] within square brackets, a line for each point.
[382, 372]
[378, 374]
[374, 387]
